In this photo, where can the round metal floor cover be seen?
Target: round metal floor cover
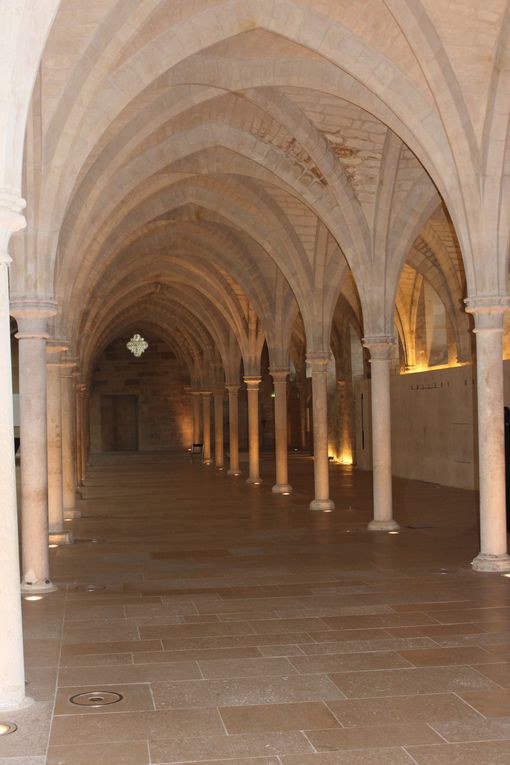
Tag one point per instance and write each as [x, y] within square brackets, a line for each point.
[90, 587]
[6, 728]
[96, 698]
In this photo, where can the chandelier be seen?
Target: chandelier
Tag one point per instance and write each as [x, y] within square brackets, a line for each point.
[137, 345]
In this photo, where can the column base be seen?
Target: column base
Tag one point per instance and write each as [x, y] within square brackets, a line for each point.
[322, 505]
[7, 706]
[383, 526]
[220, 467]
[60, 537]
[491, 563]
[234, 472]
[206, 462]
[282, 488]
[254, 481]
[36, 587]
[71, 514]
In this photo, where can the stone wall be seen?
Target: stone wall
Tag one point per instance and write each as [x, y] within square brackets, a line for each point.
[157, 380]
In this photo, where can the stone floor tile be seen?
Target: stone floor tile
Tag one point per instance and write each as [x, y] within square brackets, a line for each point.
[196, 654]
[31, 738]
[348, 662]
[390, 756]
[227, 668]
[124, 646]
[372, 736]
[436, 657]
[499, 673]
[387, 711]
[363, 646]
[483, 753]
[133, 753]
[406, 682]
[130, 673]
[235, 692]
[277, 717]
[195, 630]
[202, 747]
[489, 703]
[459, 731]
[134, 726]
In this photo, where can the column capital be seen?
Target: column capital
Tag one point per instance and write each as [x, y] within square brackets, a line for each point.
[205, 393]
[32, 317]
[233, 388]
[318, 359]
[11, 220]
[252, 382]
[488, 312]
[196, 392]
[380, 346]
[279, 374]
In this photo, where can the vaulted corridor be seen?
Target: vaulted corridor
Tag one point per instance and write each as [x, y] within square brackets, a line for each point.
[240, 628]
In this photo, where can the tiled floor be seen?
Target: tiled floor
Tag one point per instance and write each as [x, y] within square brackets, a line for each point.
[242, 628]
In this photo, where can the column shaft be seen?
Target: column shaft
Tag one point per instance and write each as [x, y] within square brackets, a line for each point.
[252, 384]
[218, 429]
[12, 673]
[233, 429]
[302, 414]
[206, 411]
[195, 403]
[491, 443]
[57, 532]
[282, 485]
[68, 445]
[380, 356]
[319, 365]
[34, 461]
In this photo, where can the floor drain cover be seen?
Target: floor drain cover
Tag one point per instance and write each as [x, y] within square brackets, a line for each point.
[96, 698]
[90, 587]
[6, 728]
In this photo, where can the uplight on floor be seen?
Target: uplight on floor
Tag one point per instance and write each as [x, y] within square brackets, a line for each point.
[33, 597]
[6, 728]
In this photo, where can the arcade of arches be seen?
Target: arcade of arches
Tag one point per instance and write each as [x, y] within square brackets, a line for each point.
[302, 206]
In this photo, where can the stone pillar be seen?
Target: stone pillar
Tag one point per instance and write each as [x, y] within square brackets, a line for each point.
[195, 403]
[233, 429]
[78, 428]
[252, 384]
[82, 425]
[318, 363]
[57, 532]
[68, 442]
[206, 412]
[12, 673]
[282, 485]
[380, 358]
[301, 386]
[32, 321]
[218, 428]
[344, 414]
[488, 316]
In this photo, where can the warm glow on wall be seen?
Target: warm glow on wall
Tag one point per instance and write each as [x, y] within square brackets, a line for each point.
[422, 367]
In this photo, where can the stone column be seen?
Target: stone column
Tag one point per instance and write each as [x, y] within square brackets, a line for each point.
[57, 532]
[488, 316]
[81, 436]
[233, 428]
[252, 384]
[282, 485]
[301, 386]
[32, 333]
[195, 403]
[318, 363]
[78, 427]
[206, 412]
[12, 673]
[68, 442]
[344, 414]
[380, 357]
[218, 428]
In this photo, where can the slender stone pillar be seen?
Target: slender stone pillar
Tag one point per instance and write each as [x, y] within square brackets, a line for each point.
[233, 429]
[57, 532]
[301, 386]
[195, 403]
[206, 412]
[68, 442]
[380, 357]
[78, 427]
[12, 673]
[488, 315]
[252, 384]
[218, 429]
[282, 485]
[82, 427]
[32, 334]
[318, 363]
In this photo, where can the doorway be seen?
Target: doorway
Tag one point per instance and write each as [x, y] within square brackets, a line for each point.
[119, 423]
